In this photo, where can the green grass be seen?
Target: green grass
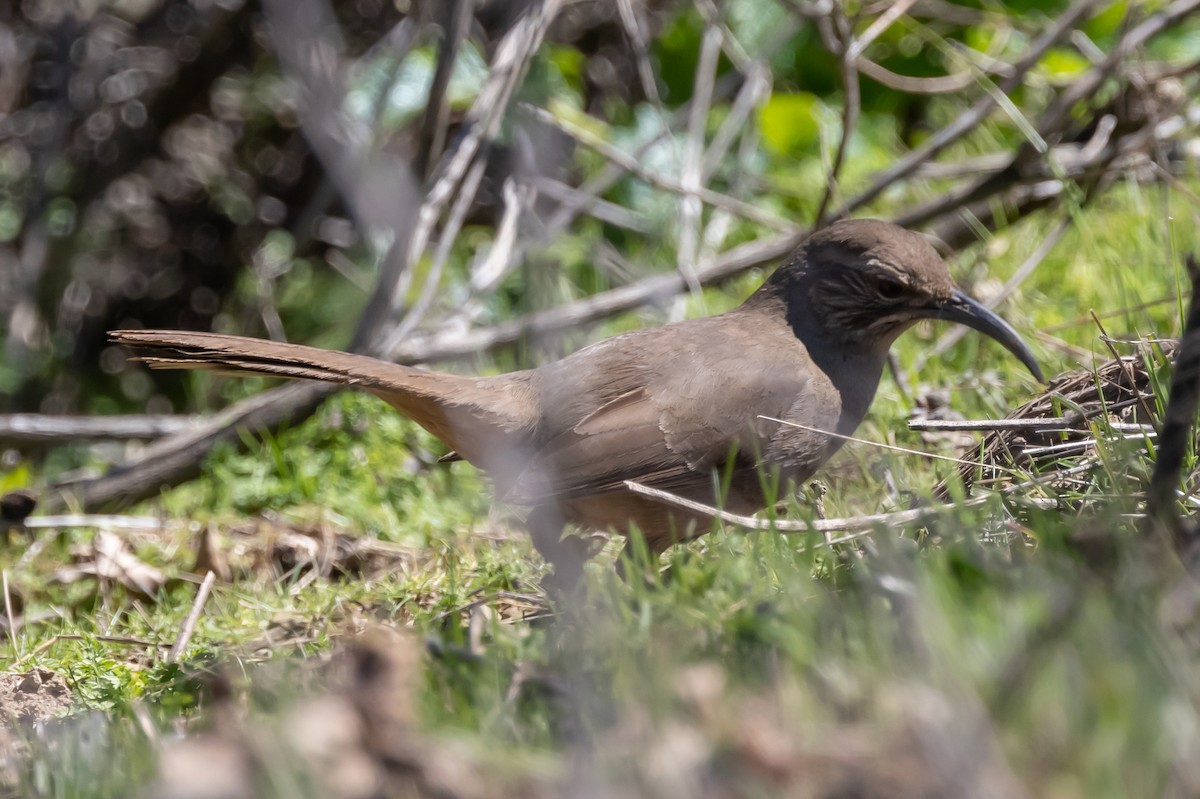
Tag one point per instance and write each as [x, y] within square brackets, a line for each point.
[1066, 644]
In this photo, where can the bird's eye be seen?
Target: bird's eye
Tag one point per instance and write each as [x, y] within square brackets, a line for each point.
[890, 289]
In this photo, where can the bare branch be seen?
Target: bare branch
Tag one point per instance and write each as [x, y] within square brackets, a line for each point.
[508, 68]
[456, 19]
[941, 85]
[850, 103]
[36, 428]
[692, 172]
[866, 523]
[970, 119]
[756, 87]
[633, 166]
[857, 47]
[193, 617]
[635, 29]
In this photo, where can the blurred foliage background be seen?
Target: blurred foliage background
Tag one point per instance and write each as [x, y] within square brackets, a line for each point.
[153, 171]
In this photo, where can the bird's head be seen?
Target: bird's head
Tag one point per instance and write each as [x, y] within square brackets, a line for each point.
[863, 282]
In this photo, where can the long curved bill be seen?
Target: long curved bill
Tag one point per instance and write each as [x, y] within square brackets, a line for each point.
[966, 311]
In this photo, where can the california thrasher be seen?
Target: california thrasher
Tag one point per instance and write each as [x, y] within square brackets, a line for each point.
[691, 408]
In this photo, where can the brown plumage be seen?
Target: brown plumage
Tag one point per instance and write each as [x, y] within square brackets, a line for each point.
[685, 407]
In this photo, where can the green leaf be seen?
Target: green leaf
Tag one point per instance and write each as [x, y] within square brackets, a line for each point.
[17, 477]
[789, 123]
[1105, 24]
[1061, 65]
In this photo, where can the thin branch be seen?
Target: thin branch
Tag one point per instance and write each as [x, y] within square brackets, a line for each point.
[973, 165]
[433, 278]
[456, 15]
[379, 189]
[120, 640]
[850, 105]
[971, 118]
[633, 166]
[488, 271]
[176, 458]
[507, 70]
[943, 84]
[440, 346]
[1090, 82]
[98, 521]
[878, 444]
[1177, 422]
[868, 522]
[691, 175]
[1048, 424]
[8, 613]
[37, 428]
[189, 624]
[1027, 165]
[603, 210]
[730, 45]
[612, 172]
[635, 30]
[881, 23]
[756, 87]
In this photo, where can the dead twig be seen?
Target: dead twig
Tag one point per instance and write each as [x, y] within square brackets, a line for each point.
[173, 459]
[1161, 502]
[605, 211]
[453, 344]
[691, 174]
[1111, 393]
[8, 613]
[119, 640]
[458, 215]
[972, 117]
[756, 87]
[851, 100]
[189, 624]
[906, 83]
[635, 30]
[99, 521]
[507, 70]
[853, 524]
[39, 428]
[631, 165]
[456, 20]
[1041, 425]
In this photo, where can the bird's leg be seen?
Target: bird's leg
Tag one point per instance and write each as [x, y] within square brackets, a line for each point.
[545, 524]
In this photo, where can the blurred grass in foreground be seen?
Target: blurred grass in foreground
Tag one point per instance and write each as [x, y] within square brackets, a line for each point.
[999, 646]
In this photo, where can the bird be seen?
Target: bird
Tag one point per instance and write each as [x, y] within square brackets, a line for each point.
[721, 410]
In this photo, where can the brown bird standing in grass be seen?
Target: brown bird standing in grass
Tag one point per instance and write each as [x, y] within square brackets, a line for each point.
[696, 408]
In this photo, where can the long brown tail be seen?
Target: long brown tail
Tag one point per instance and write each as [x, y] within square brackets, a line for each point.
[475, 416]
[181, 349]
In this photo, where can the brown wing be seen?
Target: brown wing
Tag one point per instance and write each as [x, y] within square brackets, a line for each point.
[669, 435]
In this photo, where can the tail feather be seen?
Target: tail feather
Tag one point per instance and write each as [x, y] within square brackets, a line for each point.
[474, 416]
[170, 349]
